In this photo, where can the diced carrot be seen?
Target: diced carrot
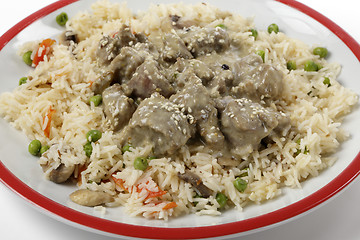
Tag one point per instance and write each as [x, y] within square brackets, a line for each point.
[42, 50]
[119, 182]
[155, 194]
[170, 205]
[90, 83]
[47, 121]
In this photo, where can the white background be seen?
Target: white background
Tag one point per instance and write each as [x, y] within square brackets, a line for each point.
[337, 219]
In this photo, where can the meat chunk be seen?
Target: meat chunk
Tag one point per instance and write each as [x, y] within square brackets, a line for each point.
[159, 122]
[189, 66]
[200, 41]
[196, 182]
[148, 79]
[255, 79]
[128, 38]
[244, 123]
[222, 82]
[174, 47]
[197, 102]
[118, 108]
[110, 46]
[126, 63]
[108, 49]
[103, 81]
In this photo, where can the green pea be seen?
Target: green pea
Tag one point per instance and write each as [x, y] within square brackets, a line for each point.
[43, 149]
[141, 163]
[320, 51]
[62, 18]
[254, 33]
[88, 149]
[291, 65]
[327, 81]
[311, 66]
[34, 147]
[97, 100]
[261, 53]
[27, 58]
[221, 199]
[273, 28]
[240, 184]
[93, 135]
[126, 148]
[22, 80]
[221, 26]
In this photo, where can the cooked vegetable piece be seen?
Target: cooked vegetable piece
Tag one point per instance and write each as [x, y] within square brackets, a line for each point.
[27, 58]
[43, 149]
[88, 149]
[221, 26]
[141, 163]
[291, 65]
[321, 52]
[90, 198]
[240, 184]
[221, 199]
[34, 147]
[190, 177]
[254, 33]
[311, 66]
[126, 148]
[261, 53]
[62, 18]
[93, 135]
[273, 28]
[42, 51]
[47, 121]
[327, 81]
[96, 100]
[22, 80]
[62, 173]
[170, 205]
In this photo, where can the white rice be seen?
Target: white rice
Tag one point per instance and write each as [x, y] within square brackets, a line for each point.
[63, 83]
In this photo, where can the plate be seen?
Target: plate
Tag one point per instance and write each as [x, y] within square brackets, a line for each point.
[22, 174]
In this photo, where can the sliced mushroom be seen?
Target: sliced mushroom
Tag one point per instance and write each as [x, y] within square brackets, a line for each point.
[90, 198]
[69, 37]
[54, 164]
[196, 182]
[61, 174]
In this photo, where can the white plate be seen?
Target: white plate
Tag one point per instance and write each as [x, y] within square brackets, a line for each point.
[22, 174]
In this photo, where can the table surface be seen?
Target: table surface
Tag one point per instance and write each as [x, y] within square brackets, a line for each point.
[337, 219]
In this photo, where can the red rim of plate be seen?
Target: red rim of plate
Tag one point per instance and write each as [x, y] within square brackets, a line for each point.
[112, 227]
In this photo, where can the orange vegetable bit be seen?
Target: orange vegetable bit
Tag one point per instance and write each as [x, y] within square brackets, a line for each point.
[43, 50]
[170, 205]
[155, 194]
[47, 121]
[119, 182]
